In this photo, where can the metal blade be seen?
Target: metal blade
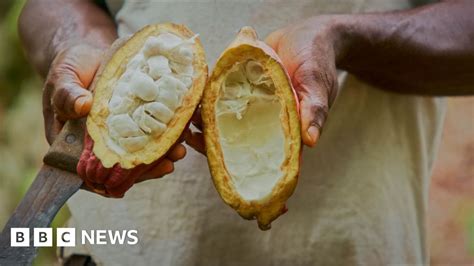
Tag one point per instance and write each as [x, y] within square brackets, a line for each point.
[48, 193]
[55, 183]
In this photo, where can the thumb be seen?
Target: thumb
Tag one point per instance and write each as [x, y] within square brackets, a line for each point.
[196, 141]
[71, 100]
[312, 91]
[71, 74]
[313, 115]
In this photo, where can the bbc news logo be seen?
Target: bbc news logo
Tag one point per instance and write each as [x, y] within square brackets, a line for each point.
[66, 237]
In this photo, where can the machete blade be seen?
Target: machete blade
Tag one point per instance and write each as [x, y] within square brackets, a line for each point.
[55, 183]
[50, 190]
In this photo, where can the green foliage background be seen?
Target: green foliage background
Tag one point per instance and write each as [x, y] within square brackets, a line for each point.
[22, 141]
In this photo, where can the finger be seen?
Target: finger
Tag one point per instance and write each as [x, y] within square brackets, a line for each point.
[313, 116]
[71, 73]
[273, 39]
[52, 125]
[87, 185]
[86, 154]
[197, 119]
[81, 166]
[182, 137]
[119, 191]
[164, 167]
[196, 141]
[91, 168]
[117, 176]
[312, 89]
[70, 99]
[177, 152]
[52, 128]
[101, 173]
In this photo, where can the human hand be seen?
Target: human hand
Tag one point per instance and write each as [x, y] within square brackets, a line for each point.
[65, 94]
[309, 51]
[115, 181]
[195, 138]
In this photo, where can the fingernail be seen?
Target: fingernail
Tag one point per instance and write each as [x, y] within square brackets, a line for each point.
[313, 133]
[82, 104]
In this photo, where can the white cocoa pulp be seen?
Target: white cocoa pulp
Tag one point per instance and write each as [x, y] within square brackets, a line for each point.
[250, 130]
[149, 92]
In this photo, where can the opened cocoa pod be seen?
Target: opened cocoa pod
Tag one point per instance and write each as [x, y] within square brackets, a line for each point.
[252, 129]
[145, 94]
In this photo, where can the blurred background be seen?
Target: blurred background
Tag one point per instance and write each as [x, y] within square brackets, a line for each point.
[22, 145]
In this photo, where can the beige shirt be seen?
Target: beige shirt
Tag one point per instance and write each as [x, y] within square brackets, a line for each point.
[362, 192]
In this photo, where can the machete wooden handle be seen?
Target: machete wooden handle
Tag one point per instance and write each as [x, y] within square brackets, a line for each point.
[66, 149]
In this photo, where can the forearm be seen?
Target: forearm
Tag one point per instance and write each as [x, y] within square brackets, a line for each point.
[47, 27]
[429, 50]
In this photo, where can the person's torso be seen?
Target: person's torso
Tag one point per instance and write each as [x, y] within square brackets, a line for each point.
[361, 193]
[217, 21]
